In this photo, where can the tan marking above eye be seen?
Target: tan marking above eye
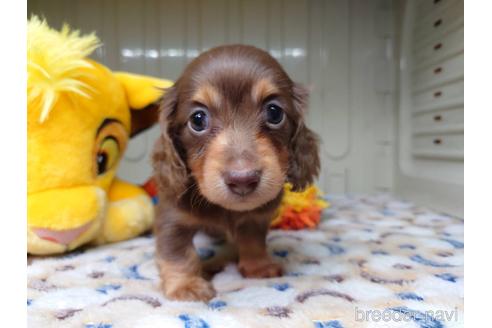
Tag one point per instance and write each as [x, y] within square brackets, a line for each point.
[207, 95]
[263, 89]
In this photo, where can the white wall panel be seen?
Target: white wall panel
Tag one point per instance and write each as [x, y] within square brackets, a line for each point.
[337, 48]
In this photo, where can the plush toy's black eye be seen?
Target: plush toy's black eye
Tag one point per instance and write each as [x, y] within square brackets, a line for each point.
[107, 155]
[198, 121]
[102, 163]
[274, 113]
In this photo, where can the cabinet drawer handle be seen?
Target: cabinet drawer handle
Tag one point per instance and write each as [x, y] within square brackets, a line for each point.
[437, 118]
[437, 141]
[437, 94]
[436, 1]
[438, 46]
[437, 22]
[438, 70]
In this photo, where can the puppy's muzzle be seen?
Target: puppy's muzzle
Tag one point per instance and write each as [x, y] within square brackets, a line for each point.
[242, 182]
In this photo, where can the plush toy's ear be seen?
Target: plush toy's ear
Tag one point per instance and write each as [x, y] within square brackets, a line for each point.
[143, 95]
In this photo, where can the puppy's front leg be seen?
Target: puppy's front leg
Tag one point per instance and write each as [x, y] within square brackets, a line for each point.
[178, 263]
[254, 261]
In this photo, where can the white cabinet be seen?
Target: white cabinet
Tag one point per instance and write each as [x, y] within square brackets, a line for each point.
[431, 106]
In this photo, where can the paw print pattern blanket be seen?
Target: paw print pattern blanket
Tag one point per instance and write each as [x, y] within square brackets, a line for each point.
[374, 261]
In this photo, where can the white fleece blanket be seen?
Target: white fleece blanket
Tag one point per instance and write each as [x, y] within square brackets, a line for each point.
[373, 262]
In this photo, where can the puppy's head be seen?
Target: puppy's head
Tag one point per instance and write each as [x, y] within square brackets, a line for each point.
[233, 126]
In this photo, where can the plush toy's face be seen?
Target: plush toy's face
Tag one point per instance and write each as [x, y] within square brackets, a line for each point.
[72, 158]
[78, 123]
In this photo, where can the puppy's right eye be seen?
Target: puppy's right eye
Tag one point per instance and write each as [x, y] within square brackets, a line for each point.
[198, 121]
[274, 114]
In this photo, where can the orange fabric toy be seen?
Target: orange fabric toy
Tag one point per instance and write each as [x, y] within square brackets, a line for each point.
[299, 210]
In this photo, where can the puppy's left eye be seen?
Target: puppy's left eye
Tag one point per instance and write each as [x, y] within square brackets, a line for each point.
[198, 121]
[274, 114]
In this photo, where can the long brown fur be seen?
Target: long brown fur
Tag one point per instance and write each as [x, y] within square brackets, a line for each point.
[232, 83]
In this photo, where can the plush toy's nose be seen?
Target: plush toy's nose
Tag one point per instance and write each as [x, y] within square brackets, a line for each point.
[59, 218]
[242, 182]
[63, 237]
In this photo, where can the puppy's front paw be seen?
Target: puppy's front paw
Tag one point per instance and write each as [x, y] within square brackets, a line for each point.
[192, 289]
[263, 268]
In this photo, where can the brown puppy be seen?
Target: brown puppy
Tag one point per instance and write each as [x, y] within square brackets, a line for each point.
[232, 134]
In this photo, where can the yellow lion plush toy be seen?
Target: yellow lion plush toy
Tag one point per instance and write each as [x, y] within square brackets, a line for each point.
[79, 121]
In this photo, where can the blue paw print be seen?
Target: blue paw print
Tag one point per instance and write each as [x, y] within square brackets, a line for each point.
[328, 324]
[109, 259]
[334, 249]
[454, 243]
[191, 321]
[105, 288]
[132, 273]
[424, 261]
[281, 287]
[410, 296]
[98, 325]
[217, 305]
[281, 253]
[387, 212]
[447, 276]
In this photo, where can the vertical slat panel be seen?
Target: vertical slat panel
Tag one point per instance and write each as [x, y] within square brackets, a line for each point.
[193, 25]
[233, 19]
[52, 11]
[213, 23]
[69, 12]
[329, 66]
[317, 62]
[109, 35]
[172, 47]
[129, 23]
[295, 22]
[363, 97]
[152, 18]
[275, 30]
[33, 7]
[334, 78]
[254, 23]
[87, 17]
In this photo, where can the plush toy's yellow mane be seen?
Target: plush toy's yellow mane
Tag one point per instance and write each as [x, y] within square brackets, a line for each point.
[54, 62]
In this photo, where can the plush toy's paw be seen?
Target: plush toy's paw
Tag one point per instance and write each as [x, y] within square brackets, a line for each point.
[191, 289]
[130, 213]
[263, 268]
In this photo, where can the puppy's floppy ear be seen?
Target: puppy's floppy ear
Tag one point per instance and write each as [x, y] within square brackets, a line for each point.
[142, 94]
[169, 167]
[304, 161]
[144, 118]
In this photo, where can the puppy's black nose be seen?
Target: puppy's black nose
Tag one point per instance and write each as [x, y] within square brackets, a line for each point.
[242, 182]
